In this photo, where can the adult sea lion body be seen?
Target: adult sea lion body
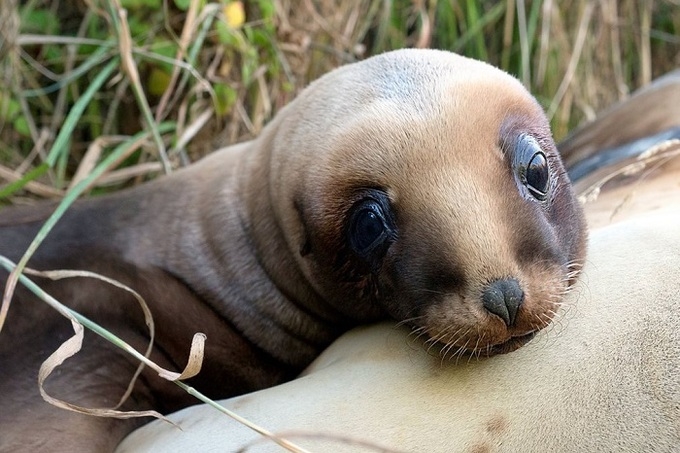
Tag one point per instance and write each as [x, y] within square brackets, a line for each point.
[417, 185]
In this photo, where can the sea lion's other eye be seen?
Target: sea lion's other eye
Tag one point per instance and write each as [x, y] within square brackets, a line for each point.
[370, 229]
[537, 176]
[367, 229]
[531, 166]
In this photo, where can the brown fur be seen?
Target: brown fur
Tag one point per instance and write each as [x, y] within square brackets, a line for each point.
[650, 110]
[655, 181]
[250, 245]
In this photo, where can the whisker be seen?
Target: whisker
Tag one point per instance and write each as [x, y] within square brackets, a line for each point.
[461, 351]
[409, 320]
[418, 332]
[474, 349]
[453, 341]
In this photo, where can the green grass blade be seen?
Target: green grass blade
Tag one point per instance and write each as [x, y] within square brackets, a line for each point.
[99, 56]
[476, 28]
[30, 175]
[77, 111]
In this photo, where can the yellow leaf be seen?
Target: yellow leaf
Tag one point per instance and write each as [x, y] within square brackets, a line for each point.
[158, 82]
[234, 14]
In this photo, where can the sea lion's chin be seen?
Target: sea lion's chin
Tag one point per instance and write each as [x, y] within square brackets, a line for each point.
[510, 345]
[462, 327]
[479, 348]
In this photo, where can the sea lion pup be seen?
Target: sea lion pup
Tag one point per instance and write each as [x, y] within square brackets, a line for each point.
[417, 185]
[604, 380]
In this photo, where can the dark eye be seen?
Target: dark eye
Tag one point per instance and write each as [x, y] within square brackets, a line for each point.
[537, 175]
[367, 229]
[531, 166]
[370, 230]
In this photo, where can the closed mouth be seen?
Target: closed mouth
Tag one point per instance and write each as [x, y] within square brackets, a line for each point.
[510, 345]
[513, 344]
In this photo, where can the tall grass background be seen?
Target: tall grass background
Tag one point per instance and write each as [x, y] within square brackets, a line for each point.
[80, 79]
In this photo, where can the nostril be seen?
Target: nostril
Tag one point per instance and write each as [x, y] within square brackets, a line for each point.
[503, 298]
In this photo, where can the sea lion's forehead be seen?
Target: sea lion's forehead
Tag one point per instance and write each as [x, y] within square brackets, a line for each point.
[459, 133]
[412, 80]
[416, 128]
[406, 71]
[475, 102]
[429, 89]
[395, 99]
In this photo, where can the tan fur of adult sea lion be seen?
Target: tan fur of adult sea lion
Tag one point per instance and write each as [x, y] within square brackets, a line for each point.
[417, 185]
[605, 379]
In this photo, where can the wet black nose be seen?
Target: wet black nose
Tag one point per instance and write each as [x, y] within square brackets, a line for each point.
[503, 298]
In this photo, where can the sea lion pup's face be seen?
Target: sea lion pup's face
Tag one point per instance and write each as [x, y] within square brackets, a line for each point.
[430, 190]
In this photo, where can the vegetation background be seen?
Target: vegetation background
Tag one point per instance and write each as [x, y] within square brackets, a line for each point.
[113, 92]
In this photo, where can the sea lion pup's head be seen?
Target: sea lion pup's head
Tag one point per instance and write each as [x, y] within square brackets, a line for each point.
[427, 186]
